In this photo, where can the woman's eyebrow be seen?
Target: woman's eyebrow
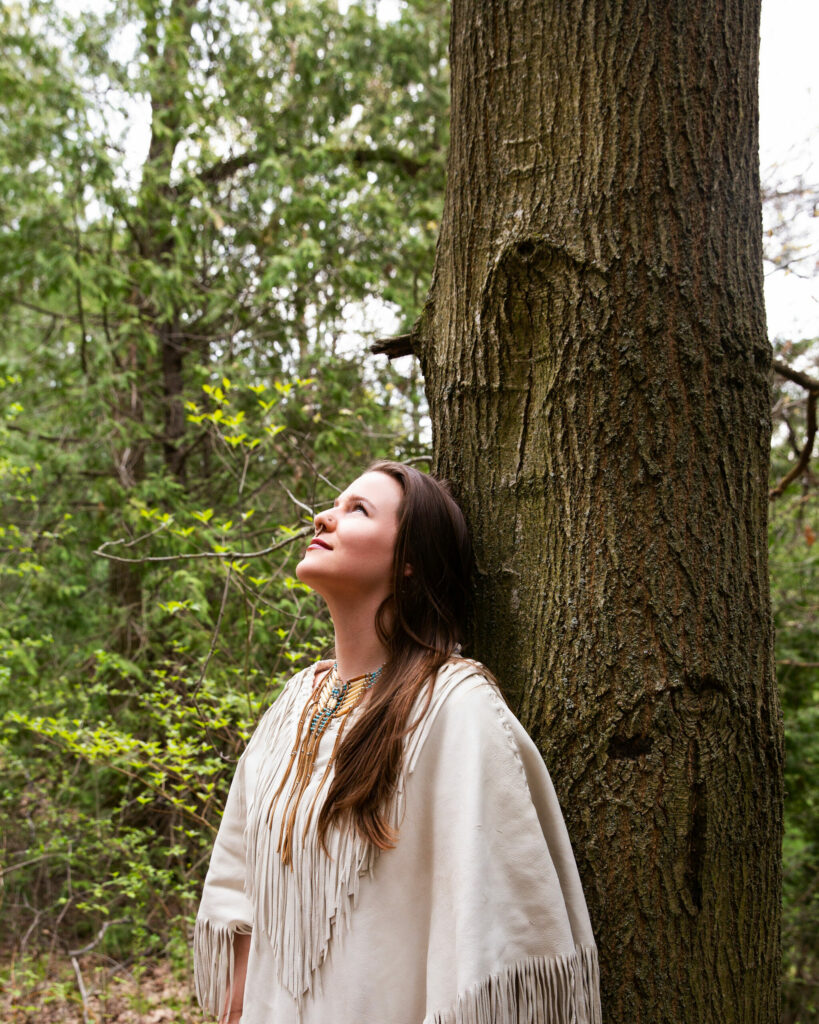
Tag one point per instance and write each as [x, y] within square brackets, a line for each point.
[354, 497]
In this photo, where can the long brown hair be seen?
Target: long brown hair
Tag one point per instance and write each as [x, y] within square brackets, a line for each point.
[420, 624]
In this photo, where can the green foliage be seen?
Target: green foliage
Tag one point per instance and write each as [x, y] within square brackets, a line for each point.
[182, 381]
[794, 563]
[121, 723]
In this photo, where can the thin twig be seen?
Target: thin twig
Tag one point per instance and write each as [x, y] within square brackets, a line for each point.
[296, 501]
[98, 938]
[231, 555]
[81, 986]
[807, 450]
[312, 466]
[138, 540]
[811, 385]
[25, 863]
[214, 636]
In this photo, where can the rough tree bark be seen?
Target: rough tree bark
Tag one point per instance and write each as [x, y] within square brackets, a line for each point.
[596, 364]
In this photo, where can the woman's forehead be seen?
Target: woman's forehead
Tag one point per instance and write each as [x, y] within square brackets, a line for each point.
[378, 488]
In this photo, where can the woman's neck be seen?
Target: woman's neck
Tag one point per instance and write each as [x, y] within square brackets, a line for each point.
[358, 648]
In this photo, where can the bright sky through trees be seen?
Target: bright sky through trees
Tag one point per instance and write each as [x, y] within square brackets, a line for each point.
[789, 150]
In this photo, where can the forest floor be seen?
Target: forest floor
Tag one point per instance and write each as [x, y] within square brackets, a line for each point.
[42, 992]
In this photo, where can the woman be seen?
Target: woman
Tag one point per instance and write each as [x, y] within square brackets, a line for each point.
[392, 850]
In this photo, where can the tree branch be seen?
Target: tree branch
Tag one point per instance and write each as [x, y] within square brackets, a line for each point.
[98, 939]
[812, 387]
[802, 379]
[227, 168]
[383, 154]
[232, 555]
[399, 345]
[51, 438]
[410, 165]
[804, 458]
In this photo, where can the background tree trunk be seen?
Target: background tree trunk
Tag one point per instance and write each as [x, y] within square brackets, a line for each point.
[596, 364]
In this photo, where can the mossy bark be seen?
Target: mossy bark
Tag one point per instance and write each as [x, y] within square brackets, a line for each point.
[596, 364]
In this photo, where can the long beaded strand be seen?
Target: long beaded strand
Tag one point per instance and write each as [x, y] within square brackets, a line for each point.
[335, 699]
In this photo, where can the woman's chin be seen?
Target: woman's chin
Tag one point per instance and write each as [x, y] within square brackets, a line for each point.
[303, 573]
[310, 575]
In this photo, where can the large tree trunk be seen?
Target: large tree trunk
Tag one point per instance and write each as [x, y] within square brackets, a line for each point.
[596, 363]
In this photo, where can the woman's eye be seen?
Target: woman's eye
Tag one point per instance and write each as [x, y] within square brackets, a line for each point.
[359, 507]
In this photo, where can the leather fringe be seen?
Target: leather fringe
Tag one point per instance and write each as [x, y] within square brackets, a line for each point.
[537, 990]
[213, 964]
[300, 905]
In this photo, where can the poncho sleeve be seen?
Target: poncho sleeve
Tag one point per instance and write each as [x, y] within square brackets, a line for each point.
[509, 935]
[225, 909]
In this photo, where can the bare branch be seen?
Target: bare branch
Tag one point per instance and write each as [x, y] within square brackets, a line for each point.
[25, 863]
[410, 165]
[797, 451]
[81, 986]
[802, 379]
[52, 438]
[231, 555]
[804, 458]
[98, 938]
[811, 385]
[385, 155]
[399, 345]
[193, 694]
[296, 501]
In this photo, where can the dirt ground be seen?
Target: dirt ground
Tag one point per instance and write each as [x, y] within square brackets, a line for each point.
[50, 994]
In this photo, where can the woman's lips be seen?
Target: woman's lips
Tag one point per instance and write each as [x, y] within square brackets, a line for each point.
[317, 542]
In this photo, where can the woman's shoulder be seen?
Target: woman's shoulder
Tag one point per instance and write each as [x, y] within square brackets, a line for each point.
[464, 668]
[464, 682]
[464, 693]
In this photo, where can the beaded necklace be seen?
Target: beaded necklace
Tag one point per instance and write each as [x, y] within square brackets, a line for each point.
[336, 698]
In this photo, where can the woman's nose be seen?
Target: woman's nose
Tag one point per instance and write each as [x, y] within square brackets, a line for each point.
[324, 520]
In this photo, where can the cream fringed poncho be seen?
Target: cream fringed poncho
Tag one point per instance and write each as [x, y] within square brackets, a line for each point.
[475, 917]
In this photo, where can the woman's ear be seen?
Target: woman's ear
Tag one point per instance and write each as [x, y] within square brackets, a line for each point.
[407, 569]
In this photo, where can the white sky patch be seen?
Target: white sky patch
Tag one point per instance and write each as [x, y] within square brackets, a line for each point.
[789, 151]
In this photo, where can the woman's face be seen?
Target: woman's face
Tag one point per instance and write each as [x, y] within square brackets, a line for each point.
[351, 555]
